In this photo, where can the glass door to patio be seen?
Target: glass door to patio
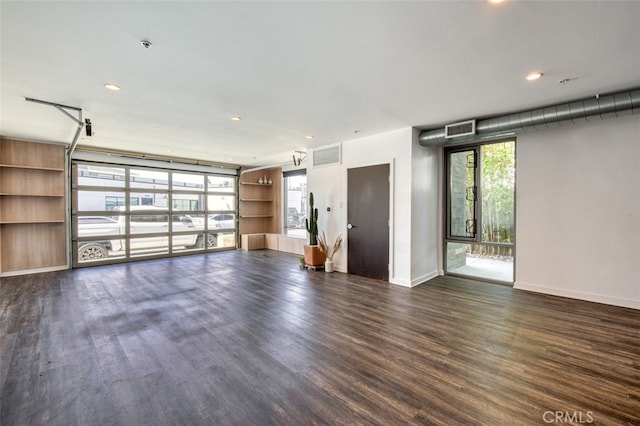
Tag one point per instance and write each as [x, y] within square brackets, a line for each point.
[480, 213]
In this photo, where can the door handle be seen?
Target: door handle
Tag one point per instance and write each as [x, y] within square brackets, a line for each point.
[350, 226]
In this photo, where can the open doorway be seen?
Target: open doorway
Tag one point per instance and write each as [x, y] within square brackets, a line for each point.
[480, 211]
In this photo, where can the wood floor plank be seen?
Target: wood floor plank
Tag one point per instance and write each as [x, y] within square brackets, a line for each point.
[239, 338]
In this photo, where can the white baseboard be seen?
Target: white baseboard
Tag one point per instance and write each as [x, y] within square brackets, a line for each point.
[581, 295]
[34, 271]
[414, 282]
[424, 278]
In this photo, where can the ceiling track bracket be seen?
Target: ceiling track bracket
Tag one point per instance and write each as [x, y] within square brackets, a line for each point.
[63, 109]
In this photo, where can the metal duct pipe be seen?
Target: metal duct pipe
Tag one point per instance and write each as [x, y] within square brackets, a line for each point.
[605, 106]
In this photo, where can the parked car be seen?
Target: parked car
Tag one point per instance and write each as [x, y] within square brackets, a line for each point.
[222, 221]
[151, 220]
[294, 218]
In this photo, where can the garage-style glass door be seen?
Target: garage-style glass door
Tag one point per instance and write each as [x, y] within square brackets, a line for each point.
[480, 213]
[122, 212]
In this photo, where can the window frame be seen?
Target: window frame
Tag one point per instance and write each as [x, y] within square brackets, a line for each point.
[285, 201]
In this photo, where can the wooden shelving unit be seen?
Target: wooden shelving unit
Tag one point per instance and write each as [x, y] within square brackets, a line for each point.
[260, 210]
[33, 233]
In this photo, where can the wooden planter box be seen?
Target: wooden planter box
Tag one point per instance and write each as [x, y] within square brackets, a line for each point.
[313, 256]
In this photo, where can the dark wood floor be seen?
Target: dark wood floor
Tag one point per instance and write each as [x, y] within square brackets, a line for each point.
[247, 338]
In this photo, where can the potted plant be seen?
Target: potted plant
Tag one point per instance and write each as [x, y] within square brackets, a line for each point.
[329, 251]
[313, 256]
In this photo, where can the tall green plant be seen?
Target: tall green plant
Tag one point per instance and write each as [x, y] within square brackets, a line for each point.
[311, 222]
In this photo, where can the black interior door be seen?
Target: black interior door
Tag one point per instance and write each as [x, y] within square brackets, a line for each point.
[368, 221]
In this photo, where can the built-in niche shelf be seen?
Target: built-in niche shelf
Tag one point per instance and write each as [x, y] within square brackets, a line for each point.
[256, 183]
[33, 231]
[260, 209]
[16, 166]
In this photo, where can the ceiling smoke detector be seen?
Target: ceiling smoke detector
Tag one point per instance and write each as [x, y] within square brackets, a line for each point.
[566, 80]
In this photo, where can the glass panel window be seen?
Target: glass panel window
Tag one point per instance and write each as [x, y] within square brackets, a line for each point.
[149, 245]
[149, 200]
[196, 220]
[187, 182]
[226, 239]
[498, 176]
[295, 198]
[93, 175]
[221, 184]
[151, 179]
[111, 202]
[182, 223]
[221, 202]
[93, 251]
[97, 201]
[462, 194]
[89, 226]
[188, 202]
[188, 242]
[478, 261]
[148, 224]
[221, 221]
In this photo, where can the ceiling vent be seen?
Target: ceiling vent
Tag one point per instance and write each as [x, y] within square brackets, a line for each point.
[583, 110]
[464, 128]
[326, 156]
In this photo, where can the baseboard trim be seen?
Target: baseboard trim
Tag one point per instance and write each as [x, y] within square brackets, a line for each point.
[34, 271]
[423, 279]
[581, 295]
[414, 282]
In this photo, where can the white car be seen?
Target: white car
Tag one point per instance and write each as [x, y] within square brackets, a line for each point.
[149, 220]
[221, 221]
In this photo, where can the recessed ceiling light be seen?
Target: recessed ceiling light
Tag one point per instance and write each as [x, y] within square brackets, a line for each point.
[236, 118]
[533, 76]
[309, 137]
[495, 1]
[112, 86]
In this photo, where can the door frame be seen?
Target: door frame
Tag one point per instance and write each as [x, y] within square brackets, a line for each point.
[391, 164]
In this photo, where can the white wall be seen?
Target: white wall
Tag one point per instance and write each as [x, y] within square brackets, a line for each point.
[578, 211]
[412, 256]
[425, 232]
[577, 207]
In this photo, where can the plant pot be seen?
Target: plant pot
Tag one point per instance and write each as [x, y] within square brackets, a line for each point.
[328, 265]
[313, 256]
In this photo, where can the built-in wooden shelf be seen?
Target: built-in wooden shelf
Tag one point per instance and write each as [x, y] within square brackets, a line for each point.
[256, 184]
[6, 194]
[33, 231]
[17, 222]
[18, 166]
[260, 209]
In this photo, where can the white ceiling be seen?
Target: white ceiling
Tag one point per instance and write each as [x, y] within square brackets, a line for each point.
[291, 69]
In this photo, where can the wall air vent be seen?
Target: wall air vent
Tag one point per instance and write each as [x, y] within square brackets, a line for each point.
[326, 156]
[464, 128]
